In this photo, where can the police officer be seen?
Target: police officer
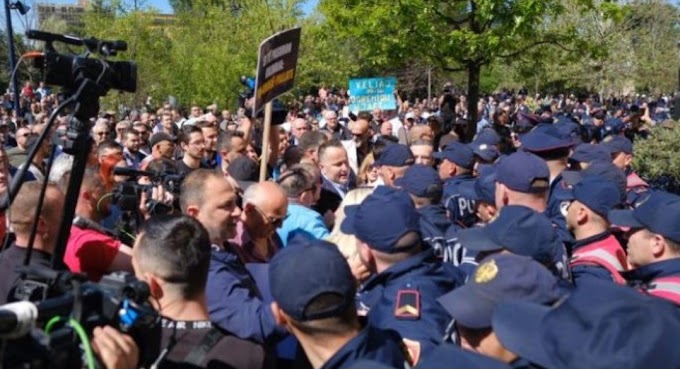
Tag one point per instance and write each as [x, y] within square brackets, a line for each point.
[425, 188]
[599, 325]
[498, 278]
[314, 298]
[482, 191]
[521, 231]
[407, 279]
[653, 244]
[553, 145]
[586, 153]
[457, 162]
[393, 163]
[596, 252]
[621, 150]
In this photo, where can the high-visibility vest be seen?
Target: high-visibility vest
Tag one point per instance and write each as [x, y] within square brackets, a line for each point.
[666, 288]
[607, 254]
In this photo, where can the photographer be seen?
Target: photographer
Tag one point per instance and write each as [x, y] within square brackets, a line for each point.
[92, 249]
[22, 213]
[172, 254]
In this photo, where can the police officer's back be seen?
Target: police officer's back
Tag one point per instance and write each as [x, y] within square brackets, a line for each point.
[425, 188]
[407, 279]
[599, 325]
[314, 297]
[457, 162]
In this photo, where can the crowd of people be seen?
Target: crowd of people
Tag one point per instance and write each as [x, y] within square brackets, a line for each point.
[378, 239]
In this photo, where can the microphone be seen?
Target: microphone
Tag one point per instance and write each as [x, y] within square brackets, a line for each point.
[130, 172]
[17, 319]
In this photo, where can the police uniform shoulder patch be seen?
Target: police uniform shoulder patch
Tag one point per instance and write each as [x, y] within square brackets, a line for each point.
[407, 305]
[486, 272]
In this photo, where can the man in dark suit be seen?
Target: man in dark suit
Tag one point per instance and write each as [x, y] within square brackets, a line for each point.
[336, 176]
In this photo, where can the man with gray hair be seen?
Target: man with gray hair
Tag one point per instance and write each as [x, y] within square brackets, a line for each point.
[265, 206]
[334, 127]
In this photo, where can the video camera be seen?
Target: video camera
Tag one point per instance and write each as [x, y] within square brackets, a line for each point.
[118, 300]
[127, 195]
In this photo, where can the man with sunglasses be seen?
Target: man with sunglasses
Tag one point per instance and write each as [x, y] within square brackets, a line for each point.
[17, 155]
[302, 184]
[265, 206]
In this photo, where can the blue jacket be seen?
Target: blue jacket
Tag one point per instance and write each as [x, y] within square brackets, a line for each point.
[433, 225]
[234, 300]
[559, 193]
[302, 221]
[380, 346]
[461, 210]
[647, 278]
[422, 276]
[464, 259]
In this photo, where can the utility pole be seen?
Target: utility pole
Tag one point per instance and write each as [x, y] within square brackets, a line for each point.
[12, 57]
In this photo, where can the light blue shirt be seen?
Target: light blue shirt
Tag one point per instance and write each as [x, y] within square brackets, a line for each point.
[302, 221]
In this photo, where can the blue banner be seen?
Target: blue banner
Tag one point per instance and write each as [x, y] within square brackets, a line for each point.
[367, 94]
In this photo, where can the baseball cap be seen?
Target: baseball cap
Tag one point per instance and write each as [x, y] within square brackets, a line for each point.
[604, 169]
[485, 151]
[458, 153]
[483, 188]
[523, 172]
[382, 219]
[585, 153]
[518, 229]
[500, 277]
[599, 325]
[597, 193]
[617, 144]
[160, 137]
[488, 136]
[395, 155]
[410, 115]
[546, 137]
[244, 170]
[418, 180]
[659, 213]
[293, 290]
[613, 126]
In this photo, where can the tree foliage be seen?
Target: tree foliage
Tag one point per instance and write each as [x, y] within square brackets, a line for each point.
[456, 35]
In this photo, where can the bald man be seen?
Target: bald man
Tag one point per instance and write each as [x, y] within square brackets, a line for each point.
[265, 206]
[360, 145]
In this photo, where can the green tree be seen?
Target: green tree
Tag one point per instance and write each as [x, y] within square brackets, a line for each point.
[459, 35]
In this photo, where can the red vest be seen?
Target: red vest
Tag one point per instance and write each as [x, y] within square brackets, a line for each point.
[666, 288]
[607, 254]
[634, 181]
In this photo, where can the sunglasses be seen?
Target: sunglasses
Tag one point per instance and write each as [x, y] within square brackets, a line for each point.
[276, 222]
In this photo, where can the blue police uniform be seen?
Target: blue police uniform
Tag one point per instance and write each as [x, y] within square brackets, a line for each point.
[433, 226]
[382, 346]
[558, 196]
[456, 254]
[461, 210]
[404, 298]
[234, 300]
[661, 279]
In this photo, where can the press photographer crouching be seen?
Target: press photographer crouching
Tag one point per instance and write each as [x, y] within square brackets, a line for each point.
[172, 255]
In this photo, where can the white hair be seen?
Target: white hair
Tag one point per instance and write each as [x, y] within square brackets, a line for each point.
[62, 165]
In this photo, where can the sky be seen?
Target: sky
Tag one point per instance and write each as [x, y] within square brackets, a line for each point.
[162, 5]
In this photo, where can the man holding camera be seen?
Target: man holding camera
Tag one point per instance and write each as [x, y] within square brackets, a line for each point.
[92, 249]
[172, 255]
